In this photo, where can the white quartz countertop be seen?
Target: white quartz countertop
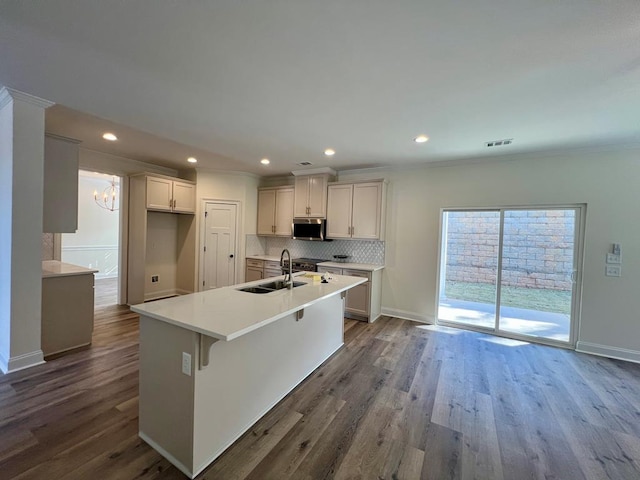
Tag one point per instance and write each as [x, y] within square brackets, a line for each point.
[55, 268]
[352, 266]
[268, 258]
[227, 313]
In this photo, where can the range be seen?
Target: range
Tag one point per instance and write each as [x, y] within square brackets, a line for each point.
[305, 264]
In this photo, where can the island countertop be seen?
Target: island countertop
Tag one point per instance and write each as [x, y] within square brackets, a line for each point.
[227, 313]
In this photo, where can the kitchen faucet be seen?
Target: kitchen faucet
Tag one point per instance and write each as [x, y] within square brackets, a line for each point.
[287, 276]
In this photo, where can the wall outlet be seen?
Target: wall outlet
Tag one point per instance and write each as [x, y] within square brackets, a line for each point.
[613, 258]
[186, 363]
[613, 271]
[154, 278]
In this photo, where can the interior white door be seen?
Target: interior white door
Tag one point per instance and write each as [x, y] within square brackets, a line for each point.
[220, 245]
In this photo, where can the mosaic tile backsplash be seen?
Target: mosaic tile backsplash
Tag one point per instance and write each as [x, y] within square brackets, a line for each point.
[47, 246]
[359, 251]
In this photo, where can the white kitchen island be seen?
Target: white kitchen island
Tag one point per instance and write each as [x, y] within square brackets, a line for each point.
[212, 363]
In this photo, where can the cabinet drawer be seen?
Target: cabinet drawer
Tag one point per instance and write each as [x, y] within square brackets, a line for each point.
[269, 265]
[333, 270]
[254, 263]
[357, 273]
[268, 273]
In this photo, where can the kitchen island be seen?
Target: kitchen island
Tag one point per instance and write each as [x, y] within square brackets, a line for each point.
[212, 363]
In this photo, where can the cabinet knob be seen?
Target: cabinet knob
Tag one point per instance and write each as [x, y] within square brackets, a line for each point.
[231, 256]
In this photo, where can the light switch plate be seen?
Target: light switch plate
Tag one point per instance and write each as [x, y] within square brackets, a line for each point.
[186, 363]
[613, 258]
[613, 271]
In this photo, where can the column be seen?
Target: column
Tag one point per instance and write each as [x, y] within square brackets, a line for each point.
[21, 197]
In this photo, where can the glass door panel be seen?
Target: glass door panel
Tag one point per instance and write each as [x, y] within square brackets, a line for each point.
[469, 267]
[538, 264]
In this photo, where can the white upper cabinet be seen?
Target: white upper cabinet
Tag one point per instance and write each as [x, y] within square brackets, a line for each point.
[159, 192]
[60, 190]
[275, 211]
[367, 211]
[266, 211]
[356, 211]
[339, 208]
[284, 211]
[311, 196]
[184, 197]
[166, 195]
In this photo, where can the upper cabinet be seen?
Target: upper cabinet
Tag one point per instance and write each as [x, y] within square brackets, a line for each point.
[311, 196]
[356, 210]
[167, 195]
[60, 189]
[275, 211]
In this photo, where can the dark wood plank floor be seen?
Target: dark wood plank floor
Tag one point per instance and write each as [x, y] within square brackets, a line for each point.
[399, 401]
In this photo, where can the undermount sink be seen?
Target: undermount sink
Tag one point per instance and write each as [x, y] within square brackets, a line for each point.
[269, 287]
[256, 290]
[279, 285]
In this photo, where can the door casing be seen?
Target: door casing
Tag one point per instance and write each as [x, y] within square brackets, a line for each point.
[203, 233]
[581, 213]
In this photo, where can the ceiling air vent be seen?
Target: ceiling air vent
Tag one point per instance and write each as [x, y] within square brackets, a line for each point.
[305, 164]
[497, 143]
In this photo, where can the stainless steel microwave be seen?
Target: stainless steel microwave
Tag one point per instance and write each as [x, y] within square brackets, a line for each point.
[309, 229]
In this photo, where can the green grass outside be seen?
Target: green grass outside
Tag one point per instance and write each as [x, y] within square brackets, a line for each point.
[543, 300]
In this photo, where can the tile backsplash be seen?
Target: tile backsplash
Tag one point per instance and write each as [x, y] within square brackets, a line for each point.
[47, 246]
[359, 251]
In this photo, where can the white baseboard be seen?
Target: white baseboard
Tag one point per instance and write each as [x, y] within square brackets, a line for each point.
[180, 466]
[406, 315]
[20, 362]
[172, 292]
[607, 351]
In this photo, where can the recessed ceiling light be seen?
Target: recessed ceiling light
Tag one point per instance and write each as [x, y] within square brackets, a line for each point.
[110, 136]
[192, 160]
[329, 152]
[265, 161]
[421, 139]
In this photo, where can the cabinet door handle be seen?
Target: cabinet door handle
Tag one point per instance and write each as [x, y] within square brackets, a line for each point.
[353, 229]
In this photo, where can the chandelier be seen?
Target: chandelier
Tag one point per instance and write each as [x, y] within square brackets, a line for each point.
[109, 198]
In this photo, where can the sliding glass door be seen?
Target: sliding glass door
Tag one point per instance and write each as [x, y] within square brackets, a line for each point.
[469, 264]
[510, 271]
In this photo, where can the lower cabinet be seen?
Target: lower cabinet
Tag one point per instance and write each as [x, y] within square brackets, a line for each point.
[259, 269]
[254, 270]
[67, 313]
[363, 301]
[272, 269]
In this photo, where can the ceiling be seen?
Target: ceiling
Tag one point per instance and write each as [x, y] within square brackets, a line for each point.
[232, 82]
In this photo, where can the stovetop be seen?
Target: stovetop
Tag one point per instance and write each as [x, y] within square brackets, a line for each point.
[314, 261]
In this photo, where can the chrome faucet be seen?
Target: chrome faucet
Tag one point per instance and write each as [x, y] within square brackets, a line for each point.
[287, 276]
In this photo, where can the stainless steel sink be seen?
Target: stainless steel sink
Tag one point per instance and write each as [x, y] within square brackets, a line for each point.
[269, 287]
[279, 285]
[256, 290]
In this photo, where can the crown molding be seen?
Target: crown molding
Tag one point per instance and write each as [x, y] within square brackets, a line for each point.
[64, 139]
[226, 172]
[7, 94]
[314, 171]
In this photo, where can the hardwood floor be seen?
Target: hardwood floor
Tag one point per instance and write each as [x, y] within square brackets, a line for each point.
[105, 292]
[400, 401]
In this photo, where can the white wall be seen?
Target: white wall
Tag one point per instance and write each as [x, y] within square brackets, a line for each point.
[95, 243]
[607, 181]
[240, 187]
